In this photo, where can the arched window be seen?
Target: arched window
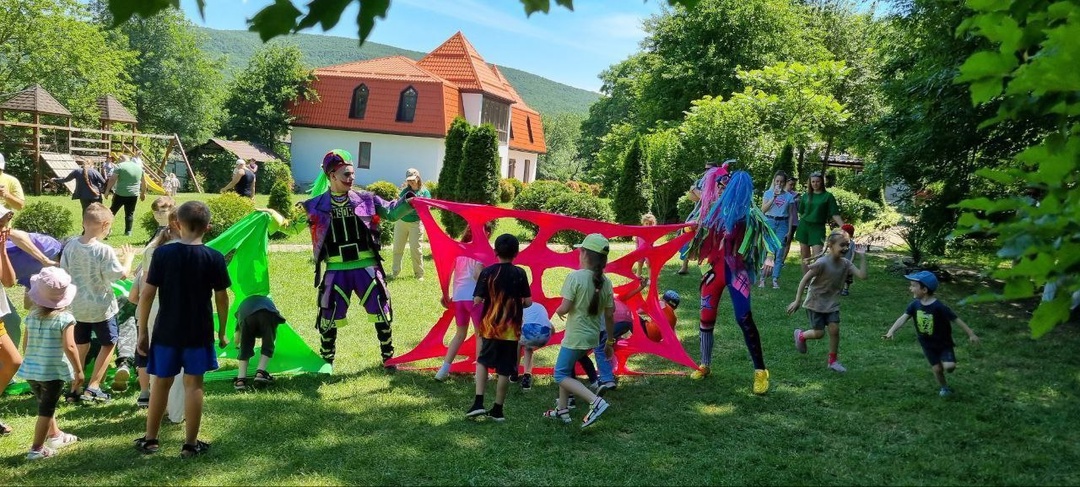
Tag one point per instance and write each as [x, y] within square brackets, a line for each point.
[407, 105]
[359, 102]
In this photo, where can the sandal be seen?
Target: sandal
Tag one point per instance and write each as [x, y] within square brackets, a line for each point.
[199, 448]
[5, 429]
[72, 397]
[146, 446]
[263, 377]
[240, 384]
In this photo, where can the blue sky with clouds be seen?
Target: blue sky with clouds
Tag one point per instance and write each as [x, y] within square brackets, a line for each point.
[568, 47]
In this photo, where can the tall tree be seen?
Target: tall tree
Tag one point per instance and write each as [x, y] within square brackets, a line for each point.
[633, 197]
[257, 104]
[562, 133]
[478, 181]
[453, 156]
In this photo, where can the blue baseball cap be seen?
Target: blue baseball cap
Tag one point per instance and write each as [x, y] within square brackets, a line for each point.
[926, 278]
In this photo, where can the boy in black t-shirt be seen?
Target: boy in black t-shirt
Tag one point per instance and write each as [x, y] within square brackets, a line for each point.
[933, 326]
[187, 273]
[503, 290]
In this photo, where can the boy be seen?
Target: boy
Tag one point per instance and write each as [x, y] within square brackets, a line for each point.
[933, 325]
[849, 254]
[257, 317]
[93, 267]
[187, 273]
[503, 290]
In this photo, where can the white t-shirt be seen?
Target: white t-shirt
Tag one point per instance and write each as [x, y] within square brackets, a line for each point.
[465, 272]
[536, 313]
[93, 268]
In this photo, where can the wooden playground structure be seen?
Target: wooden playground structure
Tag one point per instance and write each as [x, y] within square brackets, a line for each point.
[54, 147]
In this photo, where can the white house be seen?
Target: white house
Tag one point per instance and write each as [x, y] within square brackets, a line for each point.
[392, 113]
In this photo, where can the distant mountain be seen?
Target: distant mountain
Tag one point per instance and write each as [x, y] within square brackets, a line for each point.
[547, 96]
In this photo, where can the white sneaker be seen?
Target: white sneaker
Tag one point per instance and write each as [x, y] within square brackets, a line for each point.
[59, 441]
[837, 367]
[43, 452]
[442, 374]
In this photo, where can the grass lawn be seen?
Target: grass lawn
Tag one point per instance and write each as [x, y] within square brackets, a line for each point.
[1012, 420]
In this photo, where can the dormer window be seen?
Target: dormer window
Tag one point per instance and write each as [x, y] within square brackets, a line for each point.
[528, 127]
[359, 102]
[407, 105]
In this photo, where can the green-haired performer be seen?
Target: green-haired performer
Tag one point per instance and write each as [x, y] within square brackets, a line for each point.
[344, 226]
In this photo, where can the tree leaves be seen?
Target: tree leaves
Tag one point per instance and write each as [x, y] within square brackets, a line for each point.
[275, 20]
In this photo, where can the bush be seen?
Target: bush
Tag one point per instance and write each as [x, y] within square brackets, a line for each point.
[189, 185]
[535, 196]
[281, 199]
[518, 185]
[384, 189]
[684, 207]
[217, 168]
[454, 146]
[45, 217]
[225, 211]
[855, 209]
[581, 206]
[583, 188]
[270, 173]
[478, 181]
[148, 223]
[432, 187]
[506, 191]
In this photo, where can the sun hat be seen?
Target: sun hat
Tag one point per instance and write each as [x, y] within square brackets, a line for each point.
[926, 278]
[51, 288]
[594, 242]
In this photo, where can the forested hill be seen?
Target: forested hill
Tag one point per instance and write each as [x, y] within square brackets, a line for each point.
[549, 97]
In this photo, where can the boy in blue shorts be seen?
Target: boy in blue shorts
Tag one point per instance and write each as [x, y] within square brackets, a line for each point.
[187, 273]
[933, 326]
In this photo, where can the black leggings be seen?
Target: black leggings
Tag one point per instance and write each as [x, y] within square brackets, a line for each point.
[47, 394]
[128, 202]
[88, 202]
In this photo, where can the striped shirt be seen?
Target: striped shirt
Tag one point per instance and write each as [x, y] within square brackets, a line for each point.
[45, 359]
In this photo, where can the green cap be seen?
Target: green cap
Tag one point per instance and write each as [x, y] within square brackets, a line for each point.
[594, 242]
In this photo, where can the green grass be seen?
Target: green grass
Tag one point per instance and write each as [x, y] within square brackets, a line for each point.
[1012, 421]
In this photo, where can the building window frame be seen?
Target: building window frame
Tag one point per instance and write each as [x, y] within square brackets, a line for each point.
[363, 155]
[407, 101]
[359, 102]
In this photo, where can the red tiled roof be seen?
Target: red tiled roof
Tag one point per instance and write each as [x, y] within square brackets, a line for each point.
[35, 99]
[113, 111]
[523, 119]
[458, 62]
[246, 150]
[385, 79]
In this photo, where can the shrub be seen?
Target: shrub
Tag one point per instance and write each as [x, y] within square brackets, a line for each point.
[189, 185]
[454, 145]
[225, 211]
[270, 173]
[148, 223]
[535, 196]
[633, 196]
[432, 187]
[45, 217]
[684, 207]
[581, 206]
[479, 178]
[384, 189]
[854, 208]
[506, 191]
[386, 231]
[217, 168]
[518, 185]
[281, 199]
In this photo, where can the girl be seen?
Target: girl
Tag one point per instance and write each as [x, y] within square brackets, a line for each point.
[466, 270]
[586, 294]
[647, 220]
[825, 278]
[778, 206]
[51, 355]
[816, 207]
[10, 360]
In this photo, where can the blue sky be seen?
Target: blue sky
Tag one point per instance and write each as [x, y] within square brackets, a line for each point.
[568, 47]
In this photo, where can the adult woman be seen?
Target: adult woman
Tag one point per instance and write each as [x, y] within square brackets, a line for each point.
[779, 207]
[407, 229]
[815, 208]
[89, 183]
[128, 187]
[243, 180]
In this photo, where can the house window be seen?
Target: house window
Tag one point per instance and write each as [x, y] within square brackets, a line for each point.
[363, 158]
[498, 114]
[528, 167]
[407, 105]
[511, 131]
[510, 170]
[359, 102]
[528, 127]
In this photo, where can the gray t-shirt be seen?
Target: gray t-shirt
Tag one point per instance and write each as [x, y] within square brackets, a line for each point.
[828, 280]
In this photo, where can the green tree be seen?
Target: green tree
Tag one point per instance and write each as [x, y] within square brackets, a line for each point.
[561, 133]
[607, 165]
[662, 150]
[1029, 72]
[452, 159]
[633, 197]
[52, 43]
[478, 181]
[256, 104]
[716, 129]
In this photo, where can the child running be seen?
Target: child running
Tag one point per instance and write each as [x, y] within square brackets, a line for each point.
[503, 290]
[588, 300]
[825, 278]
[94, 267]
[51, 356]
[190, 275]
[933, 326]
[466, 270]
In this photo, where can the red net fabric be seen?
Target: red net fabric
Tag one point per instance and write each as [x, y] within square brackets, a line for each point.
[538, 258]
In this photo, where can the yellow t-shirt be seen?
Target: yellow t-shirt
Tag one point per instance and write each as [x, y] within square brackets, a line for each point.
[12, 184]
[582, 329]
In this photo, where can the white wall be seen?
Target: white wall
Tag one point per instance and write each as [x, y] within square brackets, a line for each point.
[391, 155]
[473, 104]
[520, 158]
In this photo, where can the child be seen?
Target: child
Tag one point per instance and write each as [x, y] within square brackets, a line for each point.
[778, 205]
[10, 359]
[257, 317]
[51, 356]
[503, 290]
[169, 234]
[825, 278]
[93, 267]
[933, 326]
[466, 270]
[588, 300]
[535, 313]
[647, 220]
[188, 274]
[849, 254]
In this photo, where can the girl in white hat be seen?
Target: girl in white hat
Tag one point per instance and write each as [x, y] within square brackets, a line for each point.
[51, 356]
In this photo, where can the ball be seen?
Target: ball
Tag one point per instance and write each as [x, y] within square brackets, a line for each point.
[535, 335]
